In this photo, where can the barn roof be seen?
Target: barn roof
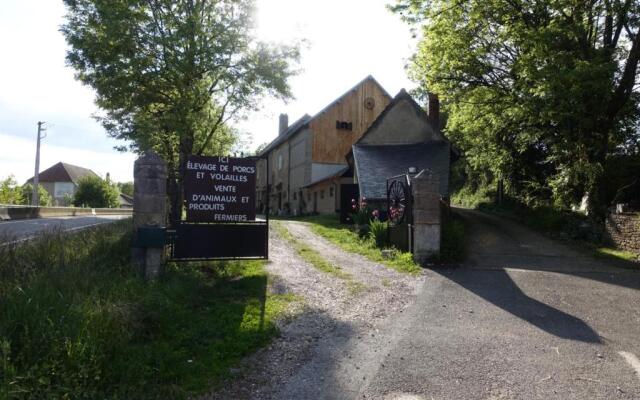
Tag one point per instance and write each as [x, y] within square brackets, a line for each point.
[375, 164]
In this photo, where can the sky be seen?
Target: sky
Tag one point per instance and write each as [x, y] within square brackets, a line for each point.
[346, 40]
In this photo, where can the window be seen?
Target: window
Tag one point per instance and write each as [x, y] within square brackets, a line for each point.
[322, 194]
[280, 162]
[331, 191]
[62, 188]
[344, 125]
[294, 196]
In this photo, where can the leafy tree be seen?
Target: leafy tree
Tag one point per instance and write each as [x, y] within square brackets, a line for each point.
[10, 192]
[539, 94]
[44, 198]
[171, 74]
[96, 192]
[126, 188]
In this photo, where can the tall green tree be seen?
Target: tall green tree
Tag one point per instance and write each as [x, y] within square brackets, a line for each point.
[96, 192]
[10, 192]
[539, 93]
[170, 75]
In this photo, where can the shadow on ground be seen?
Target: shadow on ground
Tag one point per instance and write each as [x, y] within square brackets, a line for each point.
[496, 244]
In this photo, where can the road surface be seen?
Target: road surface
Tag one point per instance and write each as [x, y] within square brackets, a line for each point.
[22, 229]
[524, 318]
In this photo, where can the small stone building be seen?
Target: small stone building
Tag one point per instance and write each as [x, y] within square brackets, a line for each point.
[404, 139]
[61, 181]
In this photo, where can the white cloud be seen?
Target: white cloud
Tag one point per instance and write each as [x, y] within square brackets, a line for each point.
[348, 40]
[18, 159]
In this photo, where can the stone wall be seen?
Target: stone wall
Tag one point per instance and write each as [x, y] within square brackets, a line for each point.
[624, 231]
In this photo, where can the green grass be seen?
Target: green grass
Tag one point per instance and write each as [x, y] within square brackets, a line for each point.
[621, 255]
[329, 227]
[76, 321]
[310, 255]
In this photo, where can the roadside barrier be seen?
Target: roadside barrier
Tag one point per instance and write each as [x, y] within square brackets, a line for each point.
[9, 212]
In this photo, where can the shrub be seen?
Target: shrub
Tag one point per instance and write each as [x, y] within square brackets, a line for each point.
[379, 232]
[44, 198]
[361, 213]
[96, 192]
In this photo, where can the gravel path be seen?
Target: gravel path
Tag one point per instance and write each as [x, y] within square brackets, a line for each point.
[332, 336]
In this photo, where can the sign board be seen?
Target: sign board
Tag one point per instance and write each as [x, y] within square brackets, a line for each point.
[220, 189]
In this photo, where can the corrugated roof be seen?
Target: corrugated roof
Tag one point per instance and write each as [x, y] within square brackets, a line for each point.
[374, 164]
[63, 172]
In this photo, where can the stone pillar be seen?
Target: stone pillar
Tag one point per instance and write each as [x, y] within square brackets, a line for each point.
[149, 213]
[426, 216]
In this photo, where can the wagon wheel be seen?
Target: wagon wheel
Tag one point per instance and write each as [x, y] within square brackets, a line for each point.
[398, 199]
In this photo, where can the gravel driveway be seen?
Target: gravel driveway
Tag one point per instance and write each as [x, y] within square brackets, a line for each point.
[323, 349]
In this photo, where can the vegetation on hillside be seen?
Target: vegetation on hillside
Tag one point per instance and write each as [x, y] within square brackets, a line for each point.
[540, 97]
[76, 320]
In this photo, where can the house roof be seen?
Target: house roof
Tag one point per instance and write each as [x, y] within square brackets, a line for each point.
[374, 164]
[291, 130]
[306, 119]
[63, 172]
[402, 95]
[338, 174]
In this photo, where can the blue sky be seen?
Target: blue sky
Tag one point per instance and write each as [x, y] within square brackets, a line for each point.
[348, 40]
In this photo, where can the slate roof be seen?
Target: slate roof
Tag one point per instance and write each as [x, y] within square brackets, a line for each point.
[374, 164]
[63, 172]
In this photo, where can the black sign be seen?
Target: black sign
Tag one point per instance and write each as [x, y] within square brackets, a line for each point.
[220, 189]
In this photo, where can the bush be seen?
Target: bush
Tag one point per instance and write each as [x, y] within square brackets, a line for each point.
[10, 192]
[379, 232]
[96, 192]
[44, 198]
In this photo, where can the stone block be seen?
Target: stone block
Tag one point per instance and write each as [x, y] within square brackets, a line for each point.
[426, 242]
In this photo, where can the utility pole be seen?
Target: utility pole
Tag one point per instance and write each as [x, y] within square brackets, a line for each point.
[35, 197]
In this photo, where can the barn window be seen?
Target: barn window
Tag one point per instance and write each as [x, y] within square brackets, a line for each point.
[280, 162]
[344, 125]
[322, 194]
[331, 191]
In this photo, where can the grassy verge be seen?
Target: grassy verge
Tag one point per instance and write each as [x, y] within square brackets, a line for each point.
[77, 322]
[316, 260]
[329, 227]
[615, 254]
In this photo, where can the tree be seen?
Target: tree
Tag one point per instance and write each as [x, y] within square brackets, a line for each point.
[539, 94]
[171, 74]
[10, 192]
[96, 192]
[126, 188]
[44, 198]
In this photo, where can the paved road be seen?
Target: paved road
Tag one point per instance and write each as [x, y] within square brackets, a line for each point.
[21, 229]
[524, 318]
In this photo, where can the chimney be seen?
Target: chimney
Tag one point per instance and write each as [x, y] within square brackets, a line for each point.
[283, 123]
[434, 109]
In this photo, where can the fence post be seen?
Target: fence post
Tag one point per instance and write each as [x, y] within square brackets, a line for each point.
[426, 216]
[149, 213]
